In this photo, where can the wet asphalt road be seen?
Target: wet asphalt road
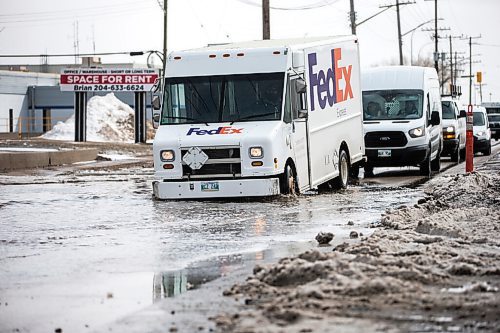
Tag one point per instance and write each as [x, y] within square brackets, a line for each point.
[81, 249]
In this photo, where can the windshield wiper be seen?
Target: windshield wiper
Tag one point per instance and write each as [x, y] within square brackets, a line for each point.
[189, 118]
[254, 116]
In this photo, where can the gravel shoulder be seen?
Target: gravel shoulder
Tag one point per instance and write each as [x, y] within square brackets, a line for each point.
[431, 267]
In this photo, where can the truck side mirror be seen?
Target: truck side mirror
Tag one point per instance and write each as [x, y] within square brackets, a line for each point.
[156, 102]
[300, 86]
[156, 118]
[462, 114]
[302, 114]
[435, 118]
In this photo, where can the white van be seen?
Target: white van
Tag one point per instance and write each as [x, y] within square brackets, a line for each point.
[453, 125]
[482, 131]
[259, 118]
[402, 116]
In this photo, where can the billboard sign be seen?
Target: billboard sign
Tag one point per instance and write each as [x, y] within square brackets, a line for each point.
[107, 79]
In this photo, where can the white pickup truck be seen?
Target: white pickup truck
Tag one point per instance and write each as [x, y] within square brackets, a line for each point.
[259, 118]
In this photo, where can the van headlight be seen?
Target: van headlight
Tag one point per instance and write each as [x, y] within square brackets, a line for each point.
[450, 129]
[417, 132]
[167, 155]
[255, 152]
[481, 133]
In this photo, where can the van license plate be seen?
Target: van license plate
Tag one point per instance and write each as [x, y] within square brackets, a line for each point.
[384, 153]
[209, 186]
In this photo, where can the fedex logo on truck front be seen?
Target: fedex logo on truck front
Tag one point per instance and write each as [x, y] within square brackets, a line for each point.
[220, 130]
[327, 84]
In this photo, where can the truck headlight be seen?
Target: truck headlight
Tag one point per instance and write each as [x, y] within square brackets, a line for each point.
[167, 155]
[417, 132]
[481, 133]
[256, 152]
[450, 129]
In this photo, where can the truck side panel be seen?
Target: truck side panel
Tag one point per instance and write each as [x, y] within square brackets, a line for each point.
[334, 102]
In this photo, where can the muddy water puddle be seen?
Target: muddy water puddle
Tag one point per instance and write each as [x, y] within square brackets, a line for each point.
[82, 253]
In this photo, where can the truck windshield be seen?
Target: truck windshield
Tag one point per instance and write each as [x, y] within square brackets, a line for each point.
[392, 104]
[225, 98]
[478, 119]
[448, 110]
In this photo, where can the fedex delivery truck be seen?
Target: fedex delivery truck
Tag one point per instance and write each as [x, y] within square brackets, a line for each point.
[258, 119]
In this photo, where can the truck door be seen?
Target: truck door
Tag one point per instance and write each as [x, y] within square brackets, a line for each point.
[297, 131]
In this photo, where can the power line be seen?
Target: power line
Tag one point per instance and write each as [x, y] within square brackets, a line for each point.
[317, 4]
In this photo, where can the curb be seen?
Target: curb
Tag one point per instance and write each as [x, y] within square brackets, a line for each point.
[34, 159]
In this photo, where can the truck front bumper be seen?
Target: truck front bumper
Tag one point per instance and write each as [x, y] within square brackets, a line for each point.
[231, 188]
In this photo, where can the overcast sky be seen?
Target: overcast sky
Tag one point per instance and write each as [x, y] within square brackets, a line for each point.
[49, 26]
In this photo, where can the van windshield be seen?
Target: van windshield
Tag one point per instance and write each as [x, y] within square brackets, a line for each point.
[478, 119]
[225, 98]
[392, 104]
[448, 110]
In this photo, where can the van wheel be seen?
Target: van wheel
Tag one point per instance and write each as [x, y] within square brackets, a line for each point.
[341, 181]
[487, 152]
[436, 163]
[288, 184]
[425, 166]
[368, 170]
[455, 156]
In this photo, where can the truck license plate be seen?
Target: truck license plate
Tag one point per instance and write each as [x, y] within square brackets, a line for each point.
[384, 153]
[209, 186]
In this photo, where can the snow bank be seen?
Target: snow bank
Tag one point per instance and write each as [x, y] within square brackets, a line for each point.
[439, 258]
[108, 120]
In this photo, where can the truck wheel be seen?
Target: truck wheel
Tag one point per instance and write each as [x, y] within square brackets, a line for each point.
[288, 183]
[341, 181]
[436, 163]
[425, 166]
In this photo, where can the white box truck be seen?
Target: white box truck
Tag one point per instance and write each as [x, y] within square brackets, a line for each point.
[259, 119]
[402, 116]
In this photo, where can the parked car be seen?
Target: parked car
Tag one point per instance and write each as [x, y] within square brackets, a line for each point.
[453, 125]
[482, 131]
[494, 120]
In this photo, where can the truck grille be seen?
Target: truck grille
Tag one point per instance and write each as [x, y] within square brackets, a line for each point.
[385, 139]
[223, 162]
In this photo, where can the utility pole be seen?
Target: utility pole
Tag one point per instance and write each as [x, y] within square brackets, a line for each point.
[352, 16]
[436, 66]
[266, 27]
[400, 38]
[165, 17]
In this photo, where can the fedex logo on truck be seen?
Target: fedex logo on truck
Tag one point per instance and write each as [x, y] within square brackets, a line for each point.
[220, 130]
[327, 84]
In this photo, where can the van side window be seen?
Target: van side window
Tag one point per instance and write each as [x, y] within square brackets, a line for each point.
[428, 112]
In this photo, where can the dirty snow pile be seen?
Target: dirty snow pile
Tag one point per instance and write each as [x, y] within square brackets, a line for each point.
[108, 120]
[434, 266]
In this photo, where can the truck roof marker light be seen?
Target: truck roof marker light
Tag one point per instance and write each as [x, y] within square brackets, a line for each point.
[276, 52]
[226, 55]
[240, 54]
[257, 163]
[212, 56]
[177, 58]
[168, 166]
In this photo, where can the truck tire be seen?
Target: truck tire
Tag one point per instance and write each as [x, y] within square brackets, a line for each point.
[425, 166]
[436, 163]
[341, 181]
[288, 183]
